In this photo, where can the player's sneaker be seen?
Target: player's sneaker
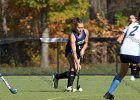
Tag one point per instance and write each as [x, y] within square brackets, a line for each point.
[109, 96]
[70, 89]
[55, 81]
[132, 78]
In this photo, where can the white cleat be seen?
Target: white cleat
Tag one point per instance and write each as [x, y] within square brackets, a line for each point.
[132, 78]
[70, 89]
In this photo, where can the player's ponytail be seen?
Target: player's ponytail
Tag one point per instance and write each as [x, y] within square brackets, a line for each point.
[74, 20]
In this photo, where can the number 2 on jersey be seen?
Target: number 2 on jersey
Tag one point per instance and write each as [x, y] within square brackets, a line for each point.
[132, 32]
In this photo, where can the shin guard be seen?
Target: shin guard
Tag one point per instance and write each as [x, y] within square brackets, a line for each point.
[71, 78]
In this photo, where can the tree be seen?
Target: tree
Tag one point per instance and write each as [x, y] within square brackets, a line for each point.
[39, 7]
[54, 13]
[126, 7]
[3, 14]
[97, 6]
[45, 34]
[34, 17]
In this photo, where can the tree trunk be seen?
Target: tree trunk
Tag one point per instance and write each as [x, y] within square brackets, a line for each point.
[97, 6]
[3, 13]
[44, 50]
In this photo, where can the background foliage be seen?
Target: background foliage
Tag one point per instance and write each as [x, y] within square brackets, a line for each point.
[23, 18]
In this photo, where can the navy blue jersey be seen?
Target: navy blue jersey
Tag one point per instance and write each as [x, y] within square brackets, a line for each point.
[80, 41]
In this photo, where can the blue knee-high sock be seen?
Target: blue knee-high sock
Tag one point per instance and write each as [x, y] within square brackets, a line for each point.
[116, 81]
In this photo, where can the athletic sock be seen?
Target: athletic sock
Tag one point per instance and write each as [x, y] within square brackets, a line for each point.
[116, 81]
[71, 78]
[62, 75]
[134, 71]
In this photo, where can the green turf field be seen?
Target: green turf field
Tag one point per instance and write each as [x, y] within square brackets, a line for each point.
[40, 88]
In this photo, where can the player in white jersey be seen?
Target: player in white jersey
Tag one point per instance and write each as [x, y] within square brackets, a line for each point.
[129, 53]
[135, 68]
[131, 40]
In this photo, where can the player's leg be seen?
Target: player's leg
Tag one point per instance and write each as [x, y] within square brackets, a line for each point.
[137, 71]
[72, 73]
[133, 71]
[56, 78]
[70, 81]
[116, 81]
[62, 75]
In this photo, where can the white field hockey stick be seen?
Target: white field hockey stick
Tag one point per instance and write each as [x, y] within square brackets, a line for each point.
[13, 91]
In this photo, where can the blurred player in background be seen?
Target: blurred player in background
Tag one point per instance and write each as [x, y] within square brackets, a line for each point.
[135, 68]
[75, 49]
[129, 53]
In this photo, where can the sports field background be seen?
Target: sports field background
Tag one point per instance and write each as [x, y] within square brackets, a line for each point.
[40, 88]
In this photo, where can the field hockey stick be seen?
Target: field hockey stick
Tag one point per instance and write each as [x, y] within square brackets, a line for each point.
[13, 91]
[78, 85]
[78, 76]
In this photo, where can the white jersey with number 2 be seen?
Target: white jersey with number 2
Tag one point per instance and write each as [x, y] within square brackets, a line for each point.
[131, 42]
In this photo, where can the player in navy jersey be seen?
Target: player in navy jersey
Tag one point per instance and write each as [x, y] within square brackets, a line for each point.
[75, 49]
[129, 53]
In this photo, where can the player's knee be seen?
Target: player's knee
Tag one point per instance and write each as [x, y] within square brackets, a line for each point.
[72, 73]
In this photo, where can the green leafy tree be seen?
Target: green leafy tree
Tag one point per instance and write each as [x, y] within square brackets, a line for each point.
[52, 14]
[121, 20]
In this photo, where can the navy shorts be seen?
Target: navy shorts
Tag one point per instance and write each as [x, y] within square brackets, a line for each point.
[69, 51]
[129, 59]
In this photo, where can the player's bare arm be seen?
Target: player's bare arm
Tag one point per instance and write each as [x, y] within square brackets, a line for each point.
[86, 43]
[73, 46]
[120, 38]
